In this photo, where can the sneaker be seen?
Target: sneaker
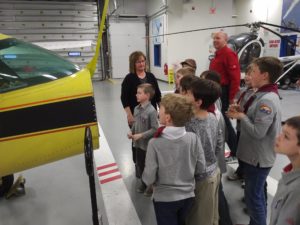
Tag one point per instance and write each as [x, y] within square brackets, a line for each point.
[149, 191]
[234, 177]
[231, 160]
[141, 188]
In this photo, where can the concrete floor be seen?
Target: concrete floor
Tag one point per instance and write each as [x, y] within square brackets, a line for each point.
[58, 193]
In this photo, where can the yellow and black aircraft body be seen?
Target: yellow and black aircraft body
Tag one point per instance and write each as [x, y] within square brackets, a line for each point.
[46, 104]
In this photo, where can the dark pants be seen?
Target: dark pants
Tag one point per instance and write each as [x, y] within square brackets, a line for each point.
[133, 153]
[140, 161]
[239, 170]
[134, 157]
[172, 213]
[231, 139]
[224, 216]
[255, 196]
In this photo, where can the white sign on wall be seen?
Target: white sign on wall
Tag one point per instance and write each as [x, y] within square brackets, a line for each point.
[158, 29]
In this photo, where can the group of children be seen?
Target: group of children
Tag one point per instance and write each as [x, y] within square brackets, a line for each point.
[179, 160]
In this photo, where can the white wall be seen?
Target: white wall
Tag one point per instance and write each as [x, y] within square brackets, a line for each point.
[268, 11]
[195, 15]
[153, 6]
[180, 15]
[249, 11]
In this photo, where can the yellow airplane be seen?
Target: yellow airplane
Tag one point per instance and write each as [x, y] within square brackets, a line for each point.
[47, 109]
[46, 103]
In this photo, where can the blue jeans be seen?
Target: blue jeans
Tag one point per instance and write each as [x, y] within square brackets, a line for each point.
[172, 213]
[255, 179]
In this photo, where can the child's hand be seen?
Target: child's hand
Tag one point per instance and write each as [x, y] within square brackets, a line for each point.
[235, 108]
[129, 135]
[136, 137]
[130, 119]
[233, 114]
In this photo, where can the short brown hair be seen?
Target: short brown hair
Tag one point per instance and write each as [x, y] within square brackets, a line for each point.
[211, 75]
[248, 68]
[148, 89]
[206, 90]
[186, 71]
[178, 107]
[269, 64]
[133, 58]
[185, 82]
[294, 122]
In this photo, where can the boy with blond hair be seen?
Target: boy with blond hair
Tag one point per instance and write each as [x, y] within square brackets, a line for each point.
[174, 158]
[144, 126]
[285, 209]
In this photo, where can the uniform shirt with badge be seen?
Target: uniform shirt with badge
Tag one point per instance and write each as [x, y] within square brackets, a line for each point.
[259, 130]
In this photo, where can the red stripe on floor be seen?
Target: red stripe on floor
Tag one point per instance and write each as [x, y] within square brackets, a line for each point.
[106, 166]
[110, 179]
[108, 172]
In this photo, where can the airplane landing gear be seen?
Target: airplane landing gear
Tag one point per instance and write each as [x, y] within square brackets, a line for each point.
[89, 163]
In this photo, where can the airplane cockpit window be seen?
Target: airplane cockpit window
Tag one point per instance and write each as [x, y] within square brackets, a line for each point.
[23, 64]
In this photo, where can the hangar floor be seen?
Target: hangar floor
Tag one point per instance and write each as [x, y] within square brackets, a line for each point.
[58, 193]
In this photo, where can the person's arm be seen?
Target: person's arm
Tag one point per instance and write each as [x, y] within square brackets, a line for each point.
[220, 139]
[125, 99]
[130, 118]
[153, 125]
[151, 165]
[234, 75]
[125, 92]
[201, 162]
[264, 117]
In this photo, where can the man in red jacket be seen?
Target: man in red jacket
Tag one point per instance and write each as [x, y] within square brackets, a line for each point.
[226, 63]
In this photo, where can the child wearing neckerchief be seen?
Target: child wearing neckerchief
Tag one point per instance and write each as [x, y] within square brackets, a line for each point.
[260, 124]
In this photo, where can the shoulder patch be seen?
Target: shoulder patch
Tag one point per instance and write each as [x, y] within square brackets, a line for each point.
[265, 109]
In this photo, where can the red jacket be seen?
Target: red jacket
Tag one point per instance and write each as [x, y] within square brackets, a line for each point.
[226, 63]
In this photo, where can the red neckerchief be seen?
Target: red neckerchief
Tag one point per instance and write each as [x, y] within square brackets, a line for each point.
[265, 88]
[288, 168]
[212, 109]
[159, 131]
[242, 95]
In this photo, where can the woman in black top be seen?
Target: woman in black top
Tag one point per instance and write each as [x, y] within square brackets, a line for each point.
[137, 75]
